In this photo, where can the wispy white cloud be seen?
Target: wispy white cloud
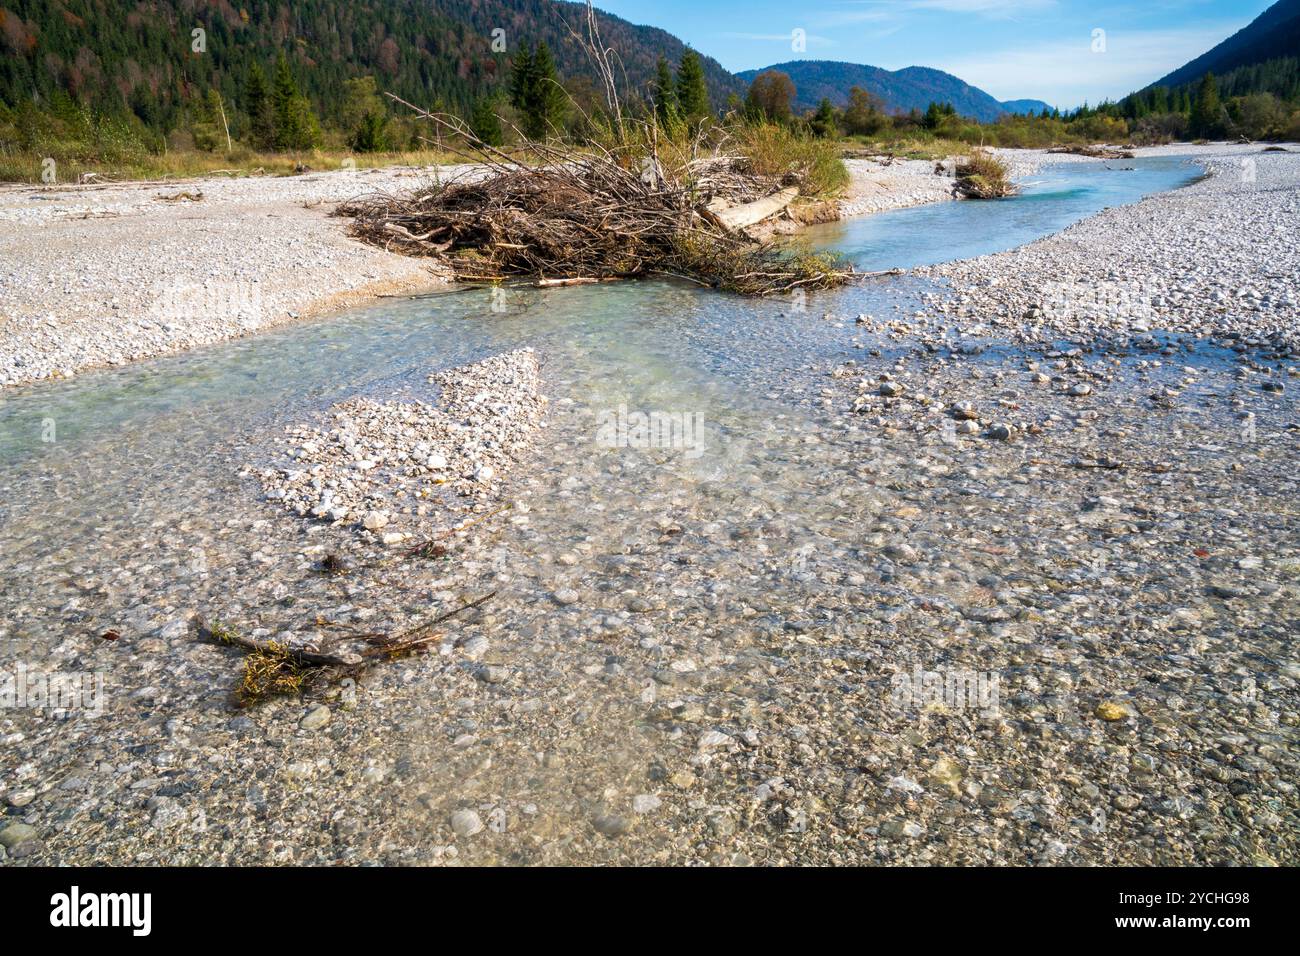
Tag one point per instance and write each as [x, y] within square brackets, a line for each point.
[878, 11]
[1066, 72]
[992, 8]
[787, 38]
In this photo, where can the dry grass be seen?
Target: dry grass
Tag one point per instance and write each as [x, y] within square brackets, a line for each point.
[814, 165]
[25, 167]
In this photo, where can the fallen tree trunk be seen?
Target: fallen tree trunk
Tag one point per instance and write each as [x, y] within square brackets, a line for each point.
[746, 214]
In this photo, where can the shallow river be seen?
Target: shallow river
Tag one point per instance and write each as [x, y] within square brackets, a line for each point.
[121, 507]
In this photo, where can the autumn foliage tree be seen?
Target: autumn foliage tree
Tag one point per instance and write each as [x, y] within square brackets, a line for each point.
[771, 97]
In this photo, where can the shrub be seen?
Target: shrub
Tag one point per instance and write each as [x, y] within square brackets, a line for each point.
[981, 175]
[773, 150]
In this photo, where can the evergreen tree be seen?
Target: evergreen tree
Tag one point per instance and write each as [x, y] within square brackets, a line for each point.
[692, 94]
[823, 121]
[209, 124]
[365, 116]
[936, 113]
[521, 79]
[665, 96]
[484, 122]
[536, 92]
[295, 124]
[257, 104]
[552, 101]
[370, 134]
[1207, 113]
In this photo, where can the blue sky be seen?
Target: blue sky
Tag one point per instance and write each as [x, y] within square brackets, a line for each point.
[1013, 49]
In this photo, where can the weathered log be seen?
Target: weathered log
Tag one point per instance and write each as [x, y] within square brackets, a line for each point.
[746, 214]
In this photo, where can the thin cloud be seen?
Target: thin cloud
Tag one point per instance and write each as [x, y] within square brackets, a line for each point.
[779, 38]
[1066, 73]
[892, 10]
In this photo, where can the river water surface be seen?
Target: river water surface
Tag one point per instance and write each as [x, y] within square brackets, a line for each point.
[704, 582]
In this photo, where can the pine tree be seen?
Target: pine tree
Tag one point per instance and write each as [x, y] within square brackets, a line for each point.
[521, 79]
[536, 92]
[552, 101]
[665, 96]
[370, 134]
[295, 124]
[823, 121]
[692, 94]
[366, 116]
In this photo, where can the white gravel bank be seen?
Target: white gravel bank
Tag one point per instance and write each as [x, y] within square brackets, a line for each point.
[96, 276]
[1218, 258]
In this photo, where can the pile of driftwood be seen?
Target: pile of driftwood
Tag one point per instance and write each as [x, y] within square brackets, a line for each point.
[595, 213]
[1095, 152]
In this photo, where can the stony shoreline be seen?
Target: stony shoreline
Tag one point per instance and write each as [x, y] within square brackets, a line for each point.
[103, 275]
[1190, 262]
[387, 467]
[728, 661]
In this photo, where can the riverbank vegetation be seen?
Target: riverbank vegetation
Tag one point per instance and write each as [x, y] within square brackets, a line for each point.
[1150, 117]
[981, 175]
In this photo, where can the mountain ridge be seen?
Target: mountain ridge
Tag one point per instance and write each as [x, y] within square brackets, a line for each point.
[1274, 34]
[913, 87]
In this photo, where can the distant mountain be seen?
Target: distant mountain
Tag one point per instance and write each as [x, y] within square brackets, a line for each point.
[915, 87]
[1022, 107]
[1264, 55]
[114, 55]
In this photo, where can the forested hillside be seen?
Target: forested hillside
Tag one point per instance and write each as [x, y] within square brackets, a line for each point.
[144, 59]
[1263, 57]
[1248, 85]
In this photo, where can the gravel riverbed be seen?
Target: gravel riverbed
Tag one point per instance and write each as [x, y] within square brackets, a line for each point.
[103, 275]
[1217, 260]
[938, 592]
